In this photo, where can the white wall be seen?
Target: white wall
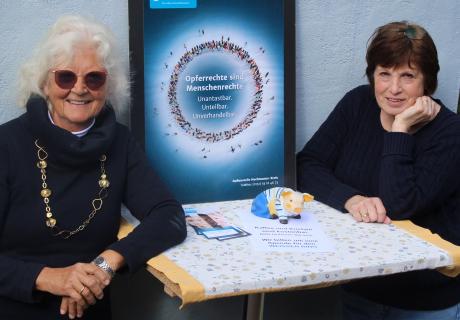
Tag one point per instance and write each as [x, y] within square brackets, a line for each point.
[331, 45]
[331, 50]
[23, 23]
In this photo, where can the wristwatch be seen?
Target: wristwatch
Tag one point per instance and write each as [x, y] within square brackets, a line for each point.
[101, 263]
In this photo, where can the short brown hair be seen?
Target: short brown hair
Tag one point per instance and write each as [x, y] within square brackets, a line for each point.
[398, 43]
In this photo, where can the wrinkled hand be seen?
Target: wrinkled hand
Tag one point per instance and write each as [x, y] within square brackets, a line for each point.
[367, 209]
[416, 116]
[80, 284]
[72, 308]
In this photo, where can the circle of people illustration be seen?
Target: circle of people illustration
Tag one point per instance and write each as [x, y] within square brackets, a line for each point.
[224, 46]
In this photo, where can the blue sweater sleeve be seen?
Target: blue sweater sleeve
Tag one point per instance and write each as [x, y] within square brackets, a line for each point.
[162, 218]
[317, 160]
[418, 180]
[17, 277]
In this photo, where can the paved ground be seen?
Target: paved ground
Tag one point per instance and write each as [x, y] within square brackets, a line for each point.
[141, 297]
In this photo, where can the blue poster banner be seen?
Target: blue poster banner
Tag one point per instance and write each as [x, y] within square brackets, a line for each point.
[172, 4]
[214, 97]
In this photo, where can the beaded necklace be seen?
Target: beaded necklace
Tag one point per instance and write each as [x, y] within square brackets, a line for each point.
[96, 203]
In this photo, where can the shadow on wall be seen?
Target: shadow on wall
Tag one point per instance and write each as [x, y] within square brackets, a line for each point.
[141, 297]
[458, 104]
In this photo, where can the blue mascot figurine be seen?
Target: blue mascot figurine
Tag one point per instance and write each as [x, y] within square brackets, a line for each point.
[281, 203]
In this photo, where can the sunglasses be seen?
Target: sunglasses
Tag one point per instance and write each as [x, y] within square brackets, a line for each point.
[66, 79]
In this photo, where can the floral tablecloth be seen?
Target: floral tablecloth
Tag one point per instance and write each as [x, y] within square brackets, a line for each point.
[201, 269]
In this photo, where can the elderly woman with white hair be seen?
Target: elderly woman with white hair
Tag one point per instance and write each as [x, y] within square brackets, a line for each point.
[66, 168]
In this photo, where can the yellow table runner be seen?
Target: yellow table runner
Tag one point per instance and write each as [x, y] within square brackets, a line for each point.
[435, 239]
[179, 282]
[176, 279]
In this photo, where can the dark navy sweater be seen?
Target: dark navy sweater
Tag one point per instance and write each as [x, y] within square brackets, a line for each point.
[27, 245]
[416, 177]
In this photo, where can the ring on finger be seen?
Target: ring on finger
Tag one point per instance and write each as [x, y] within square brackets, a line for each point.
[365, 215]
[82, 289]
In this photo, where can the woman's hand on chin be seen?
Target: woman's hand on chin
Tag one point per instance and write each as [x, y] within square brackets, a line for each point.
[416, 116]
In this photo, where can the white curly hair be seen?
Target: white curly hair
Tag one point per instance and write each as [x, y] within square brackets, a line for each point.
[59, 46]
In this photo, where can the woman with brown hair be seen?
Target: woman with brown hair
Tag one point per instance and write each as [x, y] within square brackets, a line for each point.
[391, 151]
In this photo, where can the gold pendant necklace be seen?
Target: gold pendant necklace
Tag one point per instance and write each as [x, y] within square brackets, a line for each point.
[96, 203]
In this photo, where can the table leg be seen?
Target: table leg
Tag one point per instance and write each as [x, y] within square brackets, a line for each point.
[254, 306]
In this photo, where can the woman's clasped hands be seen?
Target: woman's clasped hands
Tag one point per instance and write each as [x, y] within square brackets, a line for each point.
[80, 286]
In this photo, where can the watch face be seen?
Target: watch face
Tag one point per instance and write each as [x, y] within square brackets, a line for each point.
[101, 263]
[98, 260]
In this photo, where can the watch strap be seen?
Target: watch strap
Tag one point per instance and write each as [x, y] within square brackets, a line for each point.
[102, 263]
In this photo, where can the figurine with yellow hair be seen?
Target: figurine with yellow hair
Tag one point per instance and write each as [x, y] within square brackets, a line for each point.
[280, 203]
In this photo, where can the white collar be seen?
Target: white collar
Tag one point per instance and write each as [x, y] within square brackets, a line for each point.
[80, 133]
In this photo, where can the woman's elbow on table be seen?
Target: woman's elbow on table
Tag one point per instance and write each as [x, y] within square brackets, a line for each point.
[177, 227]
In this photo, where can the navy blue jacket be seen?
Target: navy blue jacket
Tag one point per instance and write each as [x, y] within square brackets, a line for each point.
[27, 245]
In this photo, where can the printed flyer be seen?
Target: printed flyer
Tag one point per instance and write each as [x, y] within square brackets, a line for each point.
[214, 96]
[211, 224]
[298, 235]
